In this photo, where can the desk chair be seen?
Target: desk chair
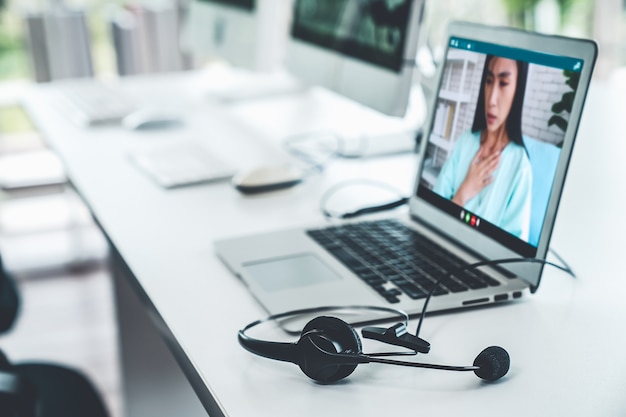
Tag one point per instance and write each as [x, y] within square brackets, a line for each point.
[38, 206]
[40, 389]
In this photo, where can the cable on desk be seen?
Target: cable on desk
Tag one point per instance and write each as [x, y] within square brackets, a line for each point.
[402, 200]
[564, 265]
[476, 265]
[301, 147]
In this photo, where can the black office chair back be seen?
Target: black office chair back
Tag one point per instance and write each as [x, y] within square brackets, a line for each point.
[9, 300]
[17, 396]
[40, 389]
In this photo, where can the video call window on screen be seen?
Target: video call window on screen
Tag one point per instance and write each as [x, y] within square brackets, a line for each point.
[511, 204]
[374, 31]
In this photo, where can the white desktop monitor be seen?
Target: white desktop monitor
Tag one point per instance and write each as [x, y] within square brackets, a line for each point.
[245, 33]
[362, 49]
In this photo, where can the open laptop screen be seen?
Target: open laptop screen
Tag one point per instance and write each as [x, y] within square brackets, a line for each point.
[499, 124]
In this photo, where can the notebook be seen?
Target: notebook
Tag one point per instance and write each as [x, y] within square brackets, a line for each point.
[493, 162]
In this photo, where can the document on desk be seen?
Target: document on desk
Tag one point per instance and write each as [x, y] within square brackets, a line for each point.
[182, 164]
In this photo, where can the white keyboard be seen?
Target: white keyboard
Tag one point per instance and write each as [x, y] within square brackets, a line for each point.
[182, 163]
[92, 103]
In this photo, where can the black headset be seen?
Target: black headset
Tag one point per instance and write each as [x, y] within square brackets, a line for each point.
[329, 349]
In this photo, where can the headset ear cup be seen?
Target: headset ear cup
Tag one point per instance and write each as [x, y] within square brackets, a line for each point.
[331, 335]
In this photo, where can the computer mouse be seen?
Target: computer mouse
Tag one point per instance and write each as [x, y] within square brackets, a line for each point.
[267, 178]
[152, 118]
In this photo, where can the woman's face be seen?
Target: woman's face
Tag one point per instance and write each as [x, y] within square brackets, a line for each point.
[500, 87]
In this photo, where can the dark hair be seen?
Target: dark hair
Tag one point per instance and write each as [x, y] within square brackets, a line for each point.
[514, 119]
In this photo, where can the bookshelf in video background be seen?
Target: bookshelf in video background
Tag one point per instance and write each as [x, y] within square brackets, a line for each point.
[454, 112]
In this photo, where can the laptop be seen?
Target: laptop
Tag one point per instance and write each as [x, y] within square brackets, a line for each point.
[492, 80]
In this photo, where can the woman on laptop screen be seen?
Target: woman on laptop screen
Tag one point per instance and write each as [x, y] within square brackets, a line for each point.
[489, 172]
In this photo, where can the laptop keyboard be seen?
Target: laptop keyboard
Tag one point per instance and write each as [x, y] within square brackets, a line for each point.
[394, 259]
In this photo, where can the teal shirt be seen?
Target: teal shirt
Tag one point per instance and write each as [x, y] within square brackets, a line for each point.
[506, 202]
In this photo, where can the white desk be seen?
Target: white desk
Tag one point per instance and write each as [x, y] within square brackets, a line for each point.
[566, 341]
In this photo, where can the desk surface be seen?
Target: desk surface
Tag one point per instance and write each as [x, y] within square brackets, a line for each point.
[566, 341]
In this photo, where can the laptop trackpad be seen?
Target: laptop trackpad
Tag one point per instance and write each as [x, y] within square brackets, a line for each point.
[290, 272]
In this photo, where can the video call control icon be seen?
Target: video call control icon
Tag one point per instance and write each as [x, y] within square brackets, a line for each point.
[469, 218]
